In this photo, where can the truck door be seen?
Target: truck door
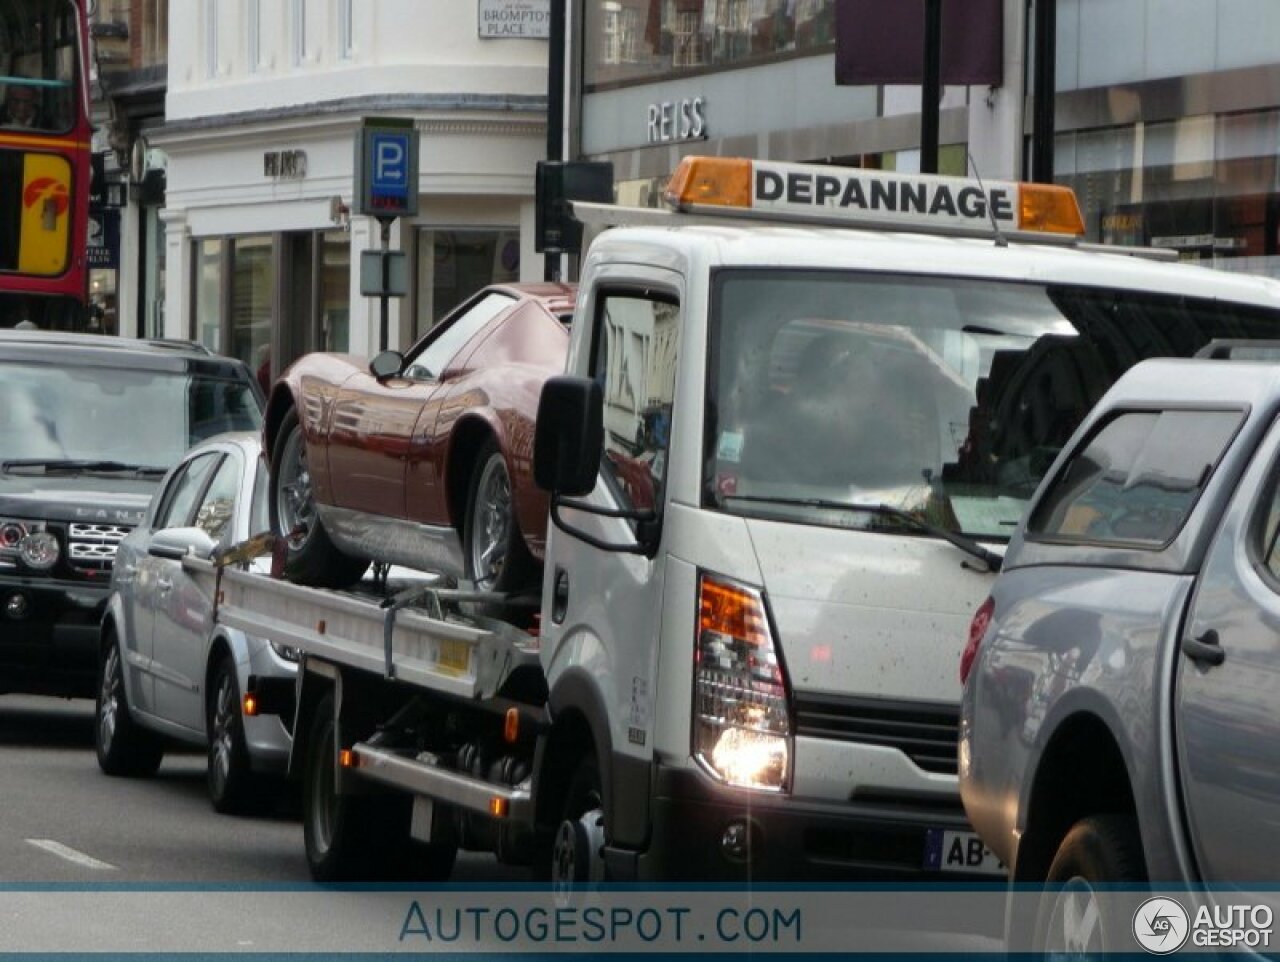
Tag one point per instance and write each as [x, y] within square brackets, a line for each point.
[1228, 686]
[603, 638]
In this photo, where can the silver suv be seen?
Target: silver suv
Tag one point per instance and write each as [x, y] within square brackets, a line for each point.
[1119, 722]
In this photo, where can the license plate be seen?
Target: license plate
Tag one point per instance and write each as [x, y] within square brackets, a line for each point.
[453, 657]
[962, 852]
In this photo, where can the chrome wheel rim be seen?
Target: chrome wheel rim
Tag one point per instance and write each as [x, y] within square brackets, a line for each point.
[109, 699]
[220, 738]
[586, 831]
[295, 502]
[1075, 924]
[491, 527]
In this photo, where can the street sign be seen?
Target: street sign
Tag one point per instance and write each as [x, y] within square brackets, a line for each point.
[387, 168]
[384, 274]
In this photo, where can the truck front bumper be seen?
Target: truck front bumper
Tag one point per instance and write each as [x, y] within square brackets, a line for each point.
[702, 831]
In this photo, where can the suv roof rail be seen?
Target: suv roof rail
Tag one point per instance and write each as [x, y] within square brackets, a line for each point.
[179, 344]
[1241, 349]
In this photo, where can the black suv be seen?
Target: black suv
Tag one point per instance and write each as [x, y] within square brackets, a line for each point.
[88, 427]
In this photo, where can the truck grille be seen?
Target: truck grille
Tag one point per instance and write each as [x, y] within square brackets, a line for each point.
[92, 547]
[926, 732]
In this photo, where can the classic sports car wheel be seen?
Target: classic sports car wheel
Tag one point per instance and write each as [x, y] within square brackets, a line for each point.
[233, 787]
[122, 747]
[1073, 920]
[494, 551]
[312, 558]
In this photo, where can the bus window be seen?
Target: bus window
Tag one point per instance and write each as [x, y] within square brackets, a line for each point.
[38, 46]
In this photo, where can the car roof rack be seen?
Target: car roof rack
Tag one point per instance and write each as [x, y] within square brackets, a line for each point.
[1241, 349]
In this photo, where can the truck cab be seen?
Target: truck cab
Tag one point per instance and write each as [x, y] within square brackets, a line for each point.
[821, 417]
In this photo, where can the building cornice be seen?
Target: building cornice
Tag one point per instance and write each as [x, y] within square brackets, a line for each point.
[347, 108]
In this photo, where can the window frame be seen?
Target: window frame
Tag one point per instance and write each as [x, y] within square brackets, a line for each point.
[635, 291]
[1054, 478]
[165, 504]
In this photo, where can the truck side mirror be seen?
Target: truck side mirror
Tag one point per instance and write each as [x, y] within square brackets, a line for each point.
[568, 435]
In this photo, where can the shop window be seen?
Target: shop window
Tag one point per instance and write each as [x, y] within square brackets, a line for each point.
[252, 280]
[335, 291]
[454, 264]
[207, 319]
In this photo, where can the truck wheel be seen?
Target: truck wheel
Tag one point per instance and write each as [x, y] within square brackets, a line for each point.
[312, 558]
[576, 858]
[233, 787]
[121, 746]
[1072, 919]
[359, 838]
[494, 553]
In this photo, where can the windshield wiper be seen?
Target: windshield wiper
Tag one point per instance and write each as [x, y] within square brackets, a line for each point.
[991, 559]
[73, 465]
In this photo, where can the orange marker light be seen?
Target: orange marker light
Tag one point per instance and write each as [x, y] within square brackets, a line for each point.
[713, 181]
[731, 611]
[511, 725]
[320, 627]
[498, 807]
[348, 759]
[250, 705]
[1049, 208]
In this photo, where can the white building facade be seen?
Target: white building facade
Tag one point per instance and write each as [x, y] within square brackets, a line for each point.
[264, 106]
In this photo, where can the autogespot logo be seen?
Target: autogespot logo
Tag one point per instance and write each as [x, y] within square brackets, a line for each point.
[1161, 925]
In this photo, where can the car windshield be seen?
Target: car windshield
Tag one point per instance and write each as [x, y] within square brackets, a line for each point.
[101, 414]
[942, 397]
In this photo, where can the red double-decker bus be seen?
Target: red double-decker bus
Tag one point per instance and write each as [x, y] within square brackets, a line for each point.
[44, 163]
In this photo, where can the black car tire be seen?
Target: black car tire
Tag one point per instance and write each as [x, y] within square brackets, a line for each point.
[234, 789]
[1098, 851]
[490, 523]
[575, 846]
[122, 747]
[312, 558]
[359, 838]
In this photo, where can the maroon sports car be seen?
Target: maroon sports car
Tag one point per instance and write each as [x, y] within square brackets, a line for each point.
[422, 459]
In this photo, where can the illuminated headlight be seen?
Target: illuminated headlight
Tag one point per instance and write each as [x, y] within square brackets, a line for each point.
[742, 724]
[287, 652]
[39, 550]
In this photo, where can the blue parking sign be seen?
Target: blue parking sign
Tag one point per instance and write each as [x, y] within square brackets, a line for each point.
[387, 168]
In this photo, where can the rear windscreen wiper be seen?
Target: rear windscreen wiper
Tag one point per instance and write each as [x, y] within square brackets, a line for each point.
[71, 465]
[990, 558]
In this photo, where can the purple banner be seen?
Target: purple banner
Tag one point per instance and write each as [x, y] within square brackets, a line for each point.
[882, 41]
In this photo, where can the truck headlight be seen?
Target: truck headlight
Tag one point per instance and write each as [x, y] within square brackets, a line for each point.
[287, 652]
[39, 549]
[741, 721]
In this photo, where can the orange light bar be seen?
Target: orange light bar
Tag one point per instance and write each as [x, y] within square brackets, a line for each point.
[731, 611]
[348, 759]
[1049, 208]
[250, 705]
[498, 807]
[511, 725]
[713, 181]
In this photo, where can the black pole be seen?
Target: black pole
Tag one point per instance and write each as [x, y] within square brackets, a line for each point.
[555, 109]
[384, 306]
[1042, 119]
[931, 87]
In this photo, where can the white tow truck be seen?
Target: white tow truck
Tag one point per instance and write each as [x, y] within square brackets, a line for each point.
[803, 412]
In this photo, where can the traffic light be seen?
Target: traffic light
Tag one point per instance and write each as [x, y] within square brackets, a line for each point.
[558, 183]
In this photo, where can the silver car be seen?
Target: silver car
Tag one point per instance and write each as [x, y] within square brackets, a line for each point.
[1119, 723]
[167, 672]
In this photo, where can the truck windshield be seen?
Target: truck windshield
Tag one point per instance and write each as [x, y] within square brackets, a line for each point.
[88, 414]
[945, 398]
